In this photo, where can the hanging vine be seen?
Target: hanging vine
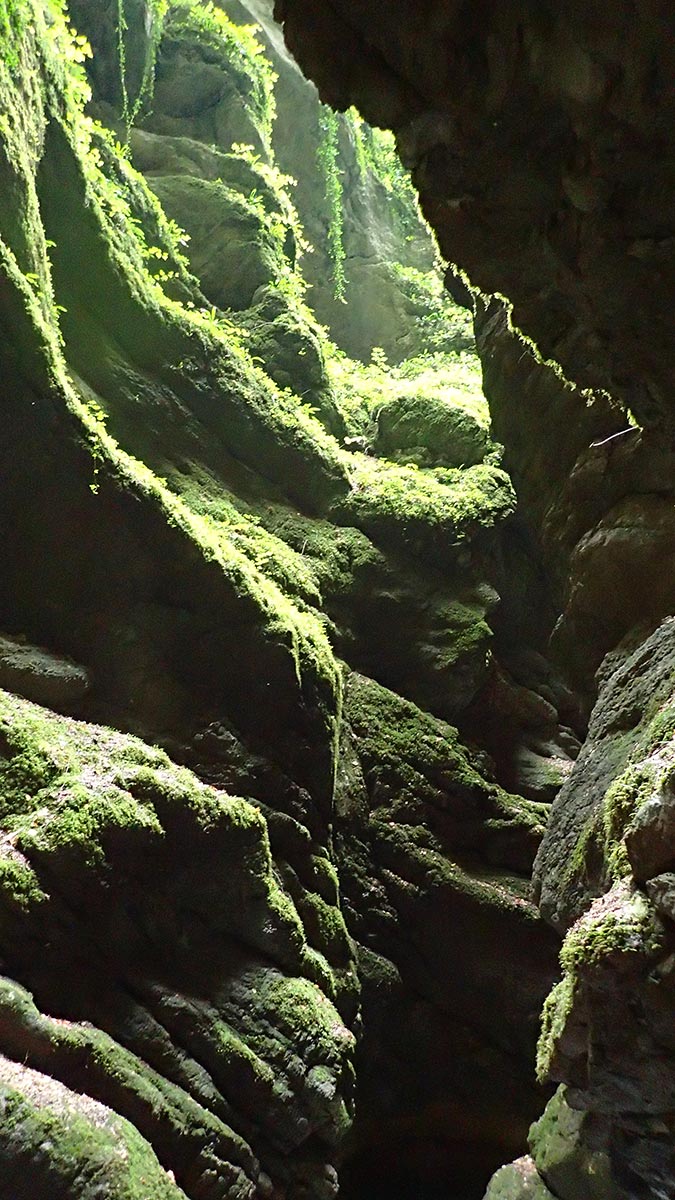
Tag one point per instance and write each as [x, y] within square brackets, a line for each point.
[328, 158]
[131, 108]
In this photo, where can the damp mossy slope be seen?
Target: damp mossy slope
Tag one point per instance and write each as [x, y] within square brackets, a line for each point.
[170, 885]
[64, 321]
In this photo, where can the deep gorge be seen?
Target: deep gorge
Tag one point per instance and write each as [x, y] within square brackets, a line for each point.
[337, 713]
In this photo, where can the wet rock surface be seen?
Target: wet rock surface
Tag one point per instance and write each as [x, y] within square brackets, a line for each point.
[252, 949]
[543, 164]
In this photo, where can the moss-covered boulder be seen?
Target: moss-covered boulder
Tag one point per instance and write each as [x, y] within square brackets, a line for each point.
[518, 1181]
[433, 434]
[231, 251]
[197, 961]
[57, 1143]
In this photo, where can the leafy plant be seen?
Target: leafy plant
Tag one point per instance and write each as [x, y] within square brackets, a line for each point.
[442, 324]
[131, 108]
[376, 152]
[328, 158]
[209, 25]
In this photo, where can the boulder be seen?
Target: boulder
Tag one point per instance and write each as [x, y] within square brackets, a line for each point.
[40, 675]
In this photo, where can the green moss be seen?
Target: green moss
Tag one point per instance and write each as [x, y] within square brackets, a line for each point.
[450, 379]
[19, 887]
[108, 801]
[74, 1051]
[328, 159]
[422, 510]
[325, 928]
[333, 557]
[554, 1017]
[307, 1019]
[430, 431]
[204, 24]
[621, 923]
[404, 750]
[443, 327]
[649, 762]
[621, 802]
[410, 757]
[71, 1145]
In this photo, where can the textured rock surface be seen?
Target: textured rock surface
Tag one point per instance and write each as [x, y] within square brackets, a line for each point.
[378, 231]
[213, 1031]
[56, 1142]
[518, 1181]
[607, 1025]
[41, 676]
[619, 781]
[179, 942]
[540, 142]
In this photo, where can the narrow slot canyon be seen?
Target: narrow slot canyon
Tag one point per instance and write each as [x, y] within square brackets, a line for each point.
[337, 639]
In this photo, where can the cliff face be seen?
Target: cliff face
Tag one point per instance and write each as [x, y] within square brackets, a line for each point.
[234, 962]
[297, 651]
[541, 144]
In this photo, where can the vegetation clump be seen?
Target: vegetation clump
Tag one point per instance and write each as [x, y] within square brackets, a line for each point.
[424, 511]
[205, 25]
[328, 156]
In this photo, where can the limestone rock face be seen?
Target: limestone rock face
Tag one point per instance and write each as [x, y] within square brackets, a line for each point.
[544, 160]
[540, 144]
[377, 231]
[608, 884]
[186, 937]
[614, 809]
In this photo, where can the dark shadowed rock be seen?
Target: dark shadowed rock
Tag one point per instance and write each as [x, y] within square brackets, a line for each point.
[623, 765]
[41, 676]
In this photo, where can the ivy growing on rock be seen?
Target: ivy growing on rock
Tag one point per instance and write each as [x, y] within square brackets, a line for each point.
[329, 156]
[131, 107]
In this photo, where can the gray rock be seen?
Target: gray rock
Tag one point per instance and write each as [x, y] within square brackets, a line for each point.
[520, 1180]
[41, 676]
[650, 842]
[540, 776]
[623, 764]
[661, 891]
[569, 1149]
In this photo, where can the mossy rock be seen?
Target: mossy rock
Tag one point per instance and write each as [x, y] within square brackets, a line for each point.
[282, 337]
[519, 1180]
[177, 897]
[429, 514]
[417, 770]
[188, 1138]
[430, 432]
[571, 1153]
[231, 251]
[84, 804]
[211, 82]
[613, 816]
[56, 1144]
